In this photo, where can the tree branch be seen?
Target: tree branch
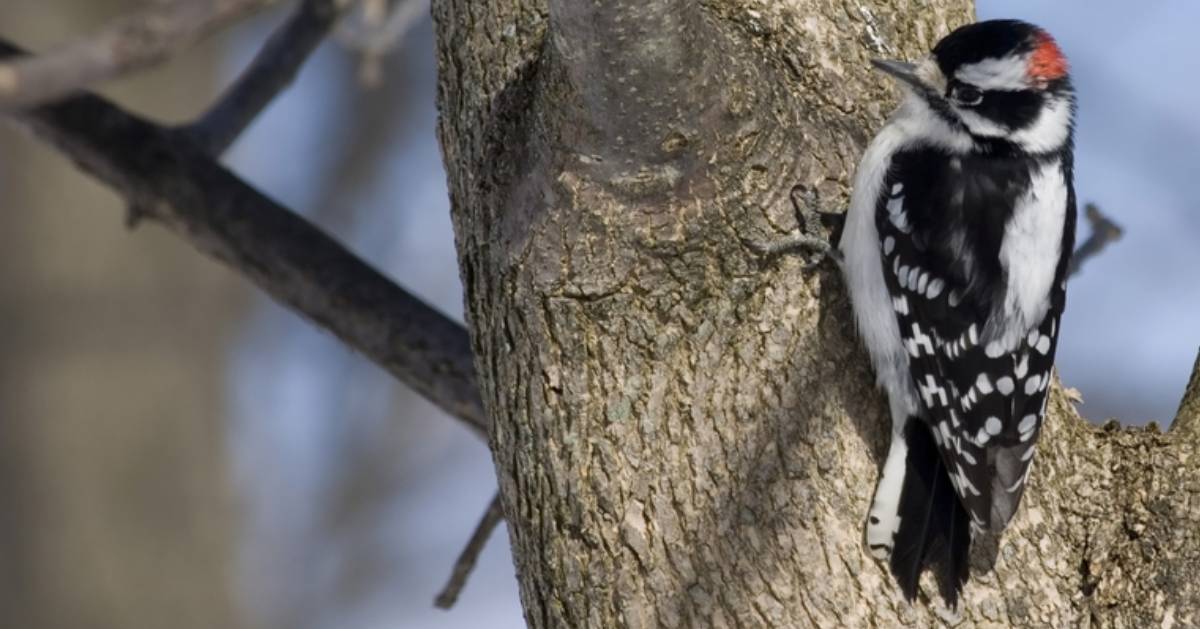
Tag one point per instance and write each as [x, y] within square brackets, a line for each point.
[183, 188]
[126, 44]
[470, 555]
[273, 69]
[1104, 231]
[381, 27]
[1187, 419]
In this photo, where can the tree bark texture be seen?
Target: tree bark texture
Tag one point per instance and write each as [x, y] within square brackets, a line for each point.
[686, 432]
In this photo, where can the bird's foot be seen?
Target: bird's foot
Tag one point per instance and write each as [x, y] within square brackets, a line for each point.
[815, 230]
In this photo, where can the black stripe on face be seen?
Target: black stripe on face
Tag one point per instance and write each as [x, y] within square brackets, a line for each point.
[1012, 110]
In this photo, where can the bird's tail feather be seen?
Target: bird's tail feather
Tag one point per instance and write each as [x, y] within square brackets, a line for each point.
[933, 528]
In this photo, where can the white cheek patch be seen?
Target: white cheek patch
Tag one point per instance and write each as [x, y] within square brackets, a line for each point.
[1051, 129]
[980, 125]
[1005, 74]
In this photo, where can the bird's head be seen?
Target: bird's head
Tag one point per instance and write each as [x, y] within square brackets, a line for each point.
[993, 82]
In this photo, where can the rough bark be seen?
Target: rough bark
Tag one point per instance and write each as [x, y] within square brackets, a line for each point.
[685, 432]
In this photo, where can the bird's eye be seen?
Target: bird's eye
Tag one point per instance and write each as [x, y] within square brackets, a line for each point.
[967, 96]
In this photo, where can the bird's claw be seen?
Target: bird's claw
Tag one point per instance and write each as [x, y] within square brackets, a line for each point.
[809, 237]
[817, 249]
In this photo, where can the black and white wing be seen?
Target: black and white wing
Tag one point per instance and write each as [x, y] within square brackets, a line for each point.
[982, 383]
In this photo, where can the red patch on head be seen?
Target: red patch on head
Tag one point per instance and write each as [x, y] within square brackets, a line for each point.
[1047, 62]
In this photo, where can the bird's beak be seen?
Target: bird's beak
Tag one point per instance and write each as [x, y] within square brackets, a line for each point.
[901, 70]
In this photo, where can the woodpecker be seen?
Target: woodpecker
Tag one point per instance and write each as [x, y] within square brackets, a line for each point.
[955, 252]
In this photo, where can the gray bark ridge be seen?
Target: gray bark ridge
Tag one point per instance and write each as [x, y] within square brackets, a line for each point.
[686, 432]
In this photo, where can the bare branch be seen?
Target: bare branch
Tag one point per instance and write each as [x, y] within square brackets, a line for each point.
[1187, 419]
[379, 28]
[125, 45]
[470, 554]
[1104, 231]
[273, 70]
[183, 188]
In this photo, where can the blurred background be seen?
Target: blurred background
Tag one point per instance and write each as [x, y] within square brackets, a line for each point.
[176, 450]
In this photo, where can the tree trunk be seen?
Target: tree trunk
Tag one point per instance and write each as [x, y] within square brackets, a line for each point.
[685, 431]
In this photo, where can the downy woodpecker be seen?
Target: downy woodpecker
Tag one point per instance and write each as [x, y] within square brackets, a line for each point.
[955, 252]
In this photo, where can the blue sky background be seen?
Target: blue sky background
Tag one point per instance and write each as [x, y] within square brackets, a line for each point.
[309, 415]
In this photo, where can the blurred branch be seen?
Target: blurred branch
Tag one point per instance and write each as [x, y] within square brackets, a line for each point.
[470, 555]
[1104, 231]
[182, 187]
[273, 69]
[379, 27]
[126, 44]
